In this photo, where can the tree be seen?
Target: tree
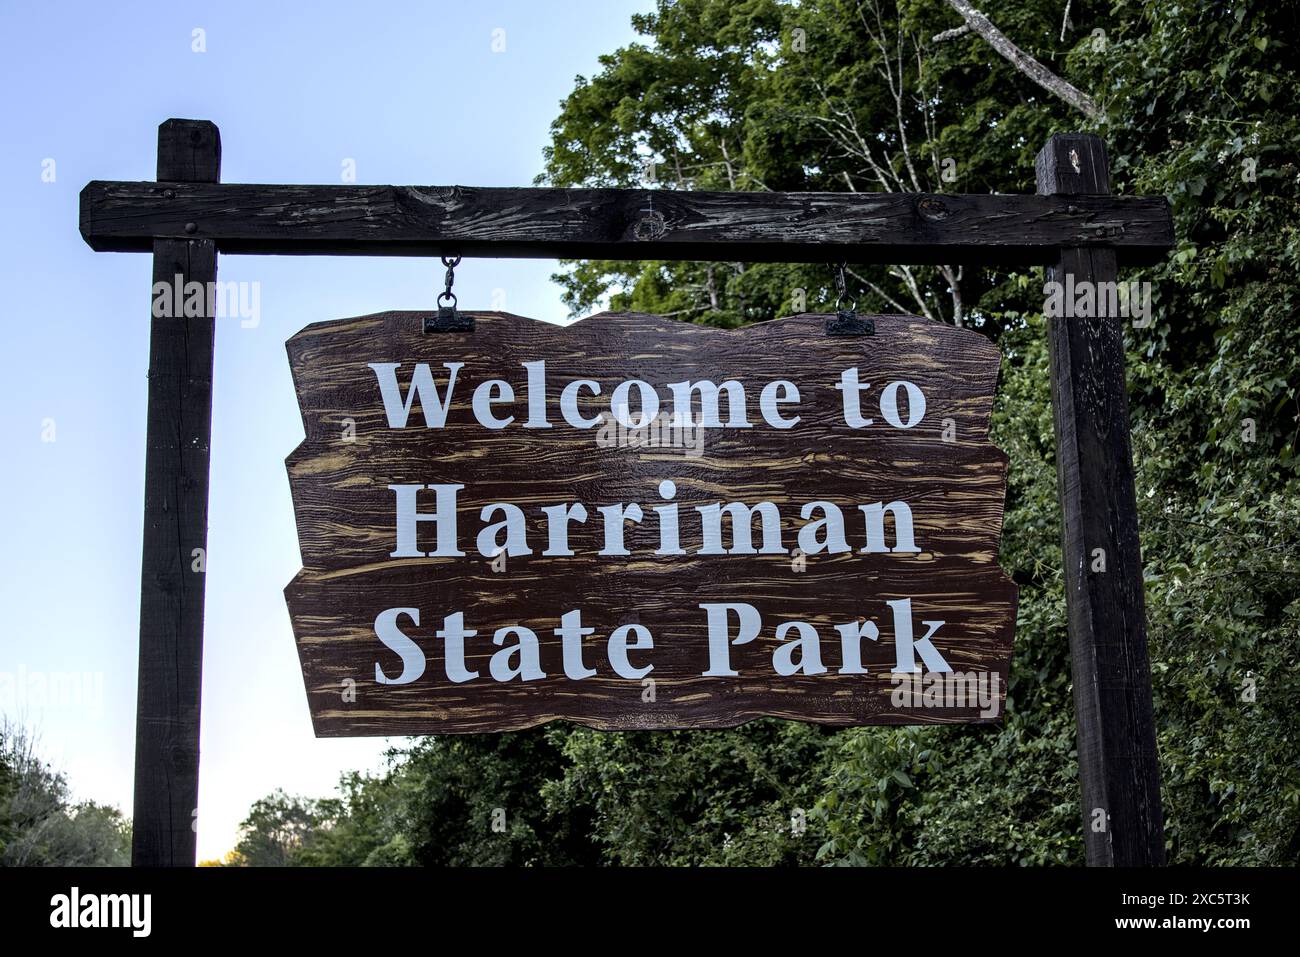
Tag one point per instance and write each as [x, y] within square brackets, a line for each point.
[1193, 102]
[40, 824]
[277, 830]
[1196, 103]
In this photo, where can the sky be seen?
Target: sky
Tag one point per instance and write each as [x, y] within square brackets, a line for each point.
[410, 93]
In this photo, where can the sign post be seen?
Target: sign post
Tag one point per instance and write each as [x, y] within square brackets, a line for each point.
[173, 562]
[1119, 772]
[1073, 225]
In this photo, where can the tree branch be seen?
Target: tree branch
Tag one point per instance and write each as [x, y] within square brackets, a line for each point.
[1026, 64]
[950, 34]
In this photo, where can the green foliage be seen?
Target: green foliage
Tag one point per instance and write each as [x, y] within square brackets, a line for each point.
[477, 800]
[740, 797]
[40, 824]
[1203, 109]
[1199, 102]
[562, 795]
[8, 786]
[356, 828]
[278, 828]
[474, 800]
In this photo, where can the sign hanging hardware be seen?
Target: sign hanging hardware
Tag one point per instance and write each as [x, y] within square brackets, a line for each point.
[448, 319]
[847, 322]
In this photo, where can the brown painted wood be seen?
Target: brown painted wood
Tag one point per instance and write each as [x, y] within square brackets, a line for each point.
[346, 521]
[175, 524]
[622, 223]
[1118, 768]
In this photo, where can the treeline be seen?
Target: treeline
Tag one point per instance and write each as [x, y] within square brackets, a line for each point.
[561, 795]
[1196, 101]
[41, 825]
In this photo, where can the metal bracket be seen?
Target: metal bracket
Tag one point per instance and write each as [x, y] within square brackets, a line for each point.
[449, 320]
[846, 322]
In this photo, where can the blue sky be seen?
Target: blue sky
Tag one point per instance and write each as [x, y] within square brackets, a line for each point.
[414, 94]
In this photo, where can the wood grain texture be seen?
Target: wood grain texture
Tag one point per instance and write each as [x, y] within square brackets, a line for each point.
[345, 514]
[175, 524]
[1118, 767]
[622, 223]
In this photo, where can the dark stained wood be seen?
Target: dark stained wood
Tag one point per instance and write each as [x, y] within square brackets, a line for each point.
[345, 515]
[1074, 227]
[175, 523]
[622, 223]
[1118, 767]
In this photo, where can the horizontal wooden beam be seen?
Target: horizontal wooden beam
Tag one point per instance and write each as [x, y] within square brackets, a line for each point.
[624, 224]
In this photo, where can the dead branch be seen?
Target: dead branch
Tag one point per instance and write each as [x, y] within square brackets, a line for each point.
[1026, 64]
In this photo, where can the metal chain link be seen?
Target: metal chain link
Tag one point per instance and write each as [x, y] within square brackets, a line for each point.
[447, 294]
[840, 288]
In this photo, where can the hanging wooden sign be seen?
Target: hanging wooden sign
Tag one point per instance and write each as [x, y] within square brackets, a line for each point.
[1074, 225]
[634, 523]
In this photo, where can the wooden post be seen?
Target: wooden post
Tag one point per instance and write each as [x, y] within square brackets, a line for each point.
[183, 216]
[175, 528]
[1118, 769]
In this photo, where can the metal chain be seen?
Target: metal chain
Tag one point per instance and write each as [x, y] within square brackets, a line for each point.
[447, 294]
[840, 288]
[447, 318]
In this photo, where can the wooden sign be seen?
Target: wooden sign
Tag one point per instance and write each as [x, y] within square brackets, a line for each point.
[635, 523]
[1073, 224]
